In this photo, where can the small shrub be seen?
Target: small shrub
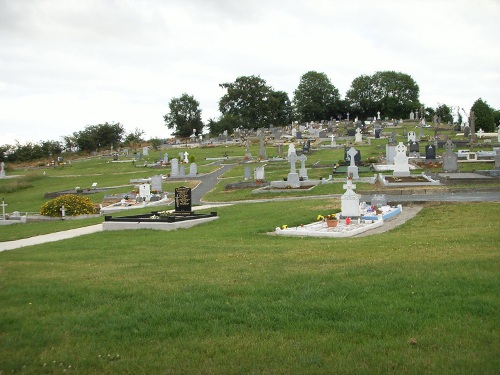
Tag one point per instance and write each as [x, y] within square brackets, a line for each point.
[74, 205]
[191, 158]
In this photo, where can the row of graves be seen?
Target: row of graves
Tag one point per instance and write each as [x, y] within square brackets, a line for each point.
[182, 216]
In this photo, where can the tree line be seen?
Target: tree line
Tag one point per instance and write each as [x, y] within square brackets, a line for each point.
[249, 102]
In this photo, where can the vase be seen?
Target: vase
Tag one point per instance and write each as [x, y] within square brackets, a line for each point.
[331, 223]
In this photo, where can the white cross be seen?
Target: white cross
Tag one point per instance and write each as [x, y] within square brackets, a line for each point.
[3, 207]
[302, 159]
[292, 159]
[63, 211]
[349, 185]
[352, 152]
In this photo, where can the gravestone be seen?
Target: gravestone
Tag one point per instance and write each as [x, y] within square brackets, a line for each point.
[299, 135]
[193, 170]
[358, 137]
[412, 137]
[415, 150]
[165, 157]
[450, 160]
[306, 146]
[377, 132]
[145, 191]
[322, 134]
[186, 154]
[174, 167]
[497, 160]
[293, 176]
[280, 149]
[291, 149]
[303, 170]
[156, 183]
[352, 170]
[472, 128]
[351, 132]
[466, 131]
[145, 151]
[401, 166]
[182, 170]
[247, 173]
[262, 150]
[258, 173]
[430, 152]
[182, 199]
[412, 116]
[357, 157]
[248, 154]
[350, 201]
[2, 170]
[333, 142]
[63, 211]
[390, 153]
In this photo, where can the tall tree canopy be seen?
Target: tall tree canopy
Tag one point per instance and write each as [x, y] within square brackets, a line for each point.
[94, 137]
[251, 103]
[184, 116]
[484, 116]
[392, 93]
[316, 98]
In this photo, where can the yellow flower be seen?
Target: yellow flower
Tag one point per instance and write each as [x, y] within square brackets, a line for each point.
[320, 217]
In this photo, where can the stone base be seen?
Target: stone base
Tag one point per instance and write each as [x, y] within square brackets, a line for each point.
[293, 180]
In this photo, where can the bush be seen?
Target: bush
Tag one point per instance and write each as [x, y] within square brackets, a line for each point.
[74, 205]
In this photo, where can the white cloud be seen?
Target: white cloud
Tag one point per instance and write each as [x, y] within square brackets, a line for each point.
[68, 64]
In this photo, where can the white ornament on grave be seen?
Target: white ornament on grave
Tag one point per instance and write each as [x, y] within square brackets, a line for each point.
[63, 211]
[303, 171]
[293, 176]
[480, 133]
[352, 169]
[186, 154]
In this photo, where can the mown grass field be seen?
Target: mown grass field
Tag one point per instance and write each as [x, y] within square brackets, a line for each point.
[227, 298]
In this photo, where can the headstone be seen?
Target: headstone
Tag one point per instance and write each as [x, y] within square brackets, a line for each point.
[390, 153]
[466, 131]
[280, 149]
[350, 201]
[412, 116]
[291, 149]
[322, 134]
[415, 150]
[247, 173]
[303, 170]
[182, 170]
[377, 133]
[174, 166]
[352, 170]
[351, 132]
[358, 137]
[145, 151]
[165, 157]
[378, 115]
[182, 198]
[480, 133]
[306, 146]
[248, 154]
[401, 166]
[2, 170]
[145, 191]
[262, 149]
[450, 159]
[412, 137]
[258, 174]
[357, 156]
[193, 170]
[430, 152]
[156, 183]
[293, 176]
[497, 160]
[333, 142]
[299, 135]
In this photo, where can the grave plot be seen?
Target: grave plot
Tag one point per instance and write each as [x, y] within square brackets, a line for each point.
[181, 217]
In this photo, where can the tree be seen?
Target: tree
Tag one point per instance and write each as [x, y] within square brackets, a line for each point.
[392, 93]
[184, 116]
[444, 113]
[484, 116]
[251, 103]
[316, 98]
[97, 136]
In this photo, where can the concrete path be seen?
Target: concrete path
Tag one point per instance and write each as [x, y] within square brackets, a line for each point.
[51, 237]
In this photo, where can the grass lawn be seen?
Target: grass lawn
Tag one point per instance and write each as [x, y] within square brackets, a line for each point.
[226, 298]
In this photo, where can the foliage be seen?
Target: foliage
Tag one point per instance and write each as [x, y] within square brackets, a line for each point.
[484, 116]
[184, 116]
[444, 113]
[227, 122]
[20, 153]
[155, 143]
[95, 137]
[316, 98]
[251, 103]
[392, 93]
[133, 139]
[73, 204]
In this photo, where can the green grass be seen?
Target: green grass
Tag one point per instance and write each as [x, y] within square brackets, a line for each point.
[226, 298]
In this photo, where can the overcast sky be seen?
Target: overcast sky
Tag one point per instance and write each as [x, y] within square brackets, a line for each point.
[66, 64]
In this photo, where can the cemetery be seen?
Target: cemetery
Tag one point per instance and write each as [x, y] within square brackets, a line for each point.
[334, 250]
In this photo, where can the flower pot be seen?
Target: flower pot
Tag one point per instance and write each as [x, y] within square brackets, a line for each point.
[331, 223]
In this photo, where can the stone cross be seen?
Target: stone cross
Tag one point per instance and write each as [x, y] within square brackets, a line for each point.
[63, 211]
[472, 128]
[378, 115]
[349, 185]
[302, 158]
[3, 207]
[292, 159]
[186, 154]
[449, 146]
[352, 152]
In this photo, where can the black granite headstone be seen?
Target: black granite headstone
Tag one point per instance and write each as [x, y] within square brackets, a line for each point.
[415, 147]
[377, 133]
[183, 199]
[430, 152]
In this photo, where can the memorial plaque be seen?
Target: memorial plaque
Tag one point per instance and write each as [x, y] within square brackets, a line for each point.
[183, 199]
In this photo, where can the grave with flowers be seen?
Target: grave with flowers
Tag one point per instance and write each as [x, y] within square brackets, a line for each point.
[354, 217]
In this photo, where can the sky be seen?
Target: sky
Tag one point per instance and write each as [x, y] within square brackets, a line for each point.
[67, 64]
